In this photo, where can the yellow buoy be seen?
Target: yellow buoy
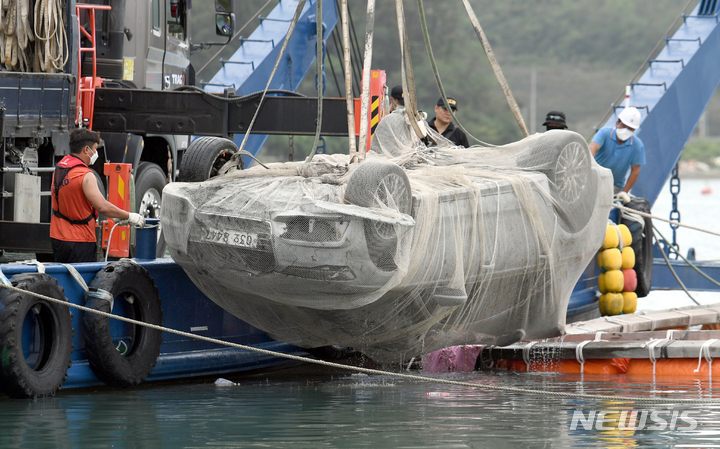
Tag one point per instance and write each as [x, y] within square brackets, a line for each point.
[612, 240]
[613, 303]
[629, 302]
[612, 259]
[600, 259]
[601, 283]
[601, 303]
[614, 281]
[628, 258]
[626, 235]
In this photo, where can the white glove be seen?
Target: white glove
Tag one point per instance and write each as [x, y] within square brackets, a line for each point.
[136, 219]
[623, 196]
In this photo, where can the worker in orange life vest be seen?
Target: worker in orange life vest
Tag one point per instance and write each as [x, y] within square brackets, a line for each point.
[76, 202]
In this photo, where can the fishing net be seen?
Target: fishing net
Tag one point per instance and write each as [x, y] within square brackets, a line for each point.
[413, 249]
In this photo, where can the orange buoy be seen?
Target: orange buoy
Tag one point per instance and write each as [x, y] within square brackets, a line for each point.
[630, 280]
[673, 367]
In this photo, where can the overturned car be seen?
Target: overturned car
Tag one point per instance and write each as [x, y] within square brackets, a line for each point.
[410, 250]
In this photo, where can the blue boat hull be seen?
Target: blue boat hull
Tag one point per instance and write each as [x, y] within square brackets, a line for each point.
[185, 308]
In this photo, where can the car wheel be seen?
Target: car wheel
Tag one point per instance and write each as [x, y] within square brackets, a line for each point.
[205, 157]
[150, 180]
[380, 184]
[565, 159]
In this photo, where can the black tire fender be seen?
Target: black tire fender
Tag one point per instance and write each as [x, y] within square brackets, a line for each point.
[380, 182]
[204, 157]
[24, 372]
[136, 295]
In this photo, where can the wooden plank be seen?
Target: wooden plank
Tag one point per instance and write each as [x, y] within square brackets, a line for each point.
[643, 336]
[639, 322]
[607, 350]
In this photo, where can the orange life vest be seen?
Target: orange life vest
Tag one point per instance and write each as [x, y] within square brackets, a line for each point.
[73, 217]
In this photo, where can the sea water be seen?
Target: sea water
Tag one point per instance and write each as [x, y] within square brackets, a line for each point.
[316, 407]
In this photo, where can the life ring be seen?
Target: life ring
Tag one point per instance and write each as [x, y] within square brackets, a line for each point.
[122, 354]
[36, 338]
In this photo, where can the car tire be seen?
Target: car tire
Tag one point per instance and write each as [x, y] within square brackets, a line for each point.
[565, 159]
[150, 180]
[205, 157]
[386, 183]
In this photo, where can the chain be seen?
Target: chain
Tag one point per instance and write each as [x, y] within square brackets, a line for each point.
[674, 213]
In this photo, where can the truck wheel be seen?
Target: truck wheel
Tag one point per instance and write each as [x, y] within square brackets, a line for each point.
[373, 184]
[204, 157]
[149, 182]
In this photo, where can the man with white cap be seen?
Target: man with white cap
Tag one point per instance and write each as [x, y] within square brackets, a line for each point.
[619, 150]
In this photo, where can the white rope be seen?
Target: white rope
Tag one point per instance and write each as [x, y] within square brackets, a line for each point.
[579, 354]
[624, 324]
[655, 217]
[558, 394]
[651, 351]
[705, 352]
[526, 354]
[689, 315]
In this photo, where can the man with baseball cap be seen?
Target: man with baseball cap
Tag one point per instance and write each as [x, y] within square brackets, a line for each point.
[555, 120]
[442, 123]
[396, 98]
[620, 150]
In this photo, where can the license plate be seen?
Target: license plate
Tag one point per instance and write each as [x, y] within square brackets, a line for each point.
[233, 238]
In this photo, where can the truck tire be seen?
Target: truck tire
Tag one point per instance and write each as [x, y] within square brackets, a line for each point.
[150, 180]
[387, 183]
[204, 157]
[34, 367]
[123, 355]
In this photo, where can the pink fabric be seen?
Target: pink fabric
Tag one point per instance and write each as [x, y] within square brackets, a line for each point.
[454, 358]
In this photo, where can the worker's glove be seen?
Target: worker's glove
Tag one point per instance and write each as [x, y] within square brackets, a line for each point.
[136, 220]
[622, 196]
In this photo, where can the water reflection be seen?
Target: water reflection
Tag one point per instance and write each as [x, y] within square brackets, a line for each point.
[310, 410]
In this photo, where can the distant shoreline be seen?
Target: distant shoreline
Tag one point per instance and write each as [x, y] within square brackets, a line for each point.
[699, 174]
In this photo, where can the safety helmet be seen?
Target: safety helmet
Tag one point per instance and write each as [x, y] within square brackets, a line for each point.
[630, 117]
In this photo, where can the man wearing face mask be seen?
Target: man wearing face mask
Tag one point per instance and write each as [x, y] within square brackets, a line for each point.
[76, 202]
[619, 150]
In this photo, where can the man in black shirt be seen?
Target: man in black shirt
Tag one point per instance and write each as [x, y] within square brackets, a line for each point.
[555, 120]
[442, 123]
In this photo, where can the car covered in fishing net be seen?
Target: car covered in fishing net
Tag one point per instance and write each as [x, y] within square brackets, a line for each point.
[408, 250]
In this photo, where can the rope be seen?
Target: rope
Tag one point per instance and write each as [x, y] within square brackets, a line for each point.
[436, 72]
[705, 352]
[579, 354]
[677, 278]
[692, 265]
[347, 70]
[408, 79]
[496, 68]
[651, 351]
[526, 354]
[655, 217]
[557, 394]
[233, 162]
[319, 77]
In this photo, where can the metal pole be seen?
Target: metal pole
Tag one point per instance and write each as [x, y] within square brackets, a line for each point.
[348, 79]
[496, 68]
[533, 100]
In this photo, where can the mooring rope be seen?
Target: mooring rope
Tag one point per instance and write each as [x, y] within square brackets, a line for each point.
[655, 217]
[557, 394]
